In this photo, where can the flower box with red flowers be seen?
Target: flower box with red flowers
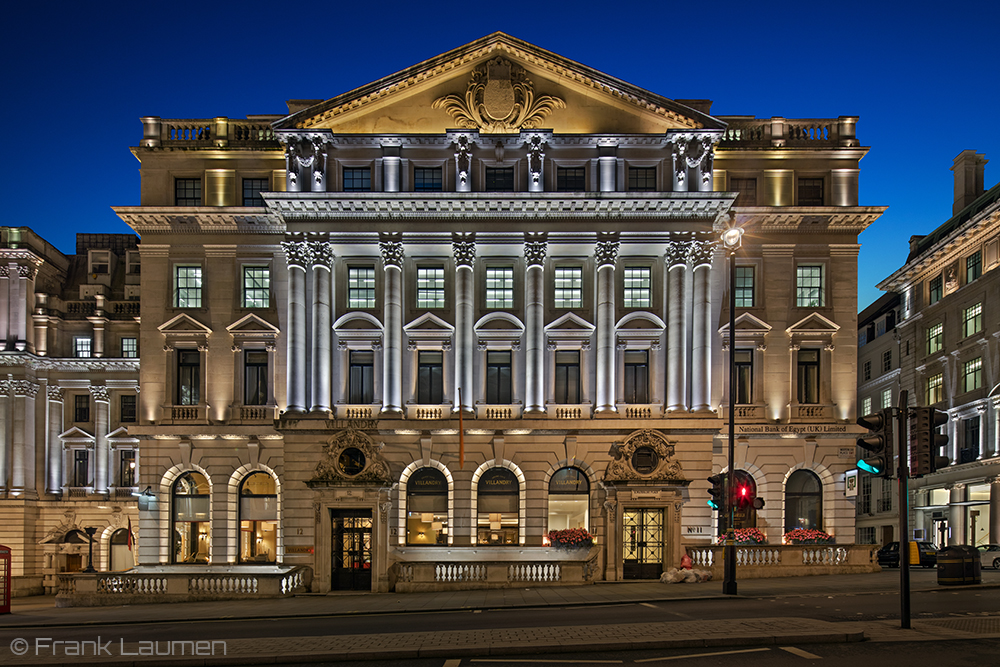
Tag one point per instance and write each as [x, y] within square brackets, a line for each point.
[572, 538]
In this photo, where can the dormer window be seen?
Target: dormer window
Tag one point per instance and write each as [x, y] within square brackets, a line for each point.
[100, 262]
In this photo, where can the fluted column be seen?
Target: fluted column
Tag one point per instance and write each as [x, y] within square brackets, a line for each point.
[102, 465]
[956, 514]
[391, 247]
[22, 418]
[322, 327]
[701, 348]
[54, 450]
[677, 253]
[994, 483]
[534, 333]
[605, 254]
[5, 445]
[464, 249]
[298, 258]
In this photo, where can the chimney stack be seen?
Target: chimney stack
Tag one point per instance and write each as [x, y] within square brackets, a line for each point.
[968, 167]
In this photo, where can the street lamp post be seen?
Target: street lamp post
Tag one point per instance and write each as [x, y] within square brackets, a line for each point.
[90, 530]
[731, 239]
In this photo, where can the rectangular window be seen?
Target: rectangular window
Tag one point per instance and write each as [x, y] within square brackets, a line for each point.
[935, 389]
[252, 189]
[886, 398]
[972, 374]
[809, 286]
[747, 189]
[637, 376]
[808, 376]
[499, 287]
[569, 287]
[428, 179]
[865, 496]
[187, 192]
[81, 408]
[100, 262]
[127, 408]
[935, 338]
[638, 287]
[188, 377]
[499, 179]
[973, 266]
[885, 500]
[744, 377]
[357, 179]
[887, 361]
[866, 405]
[430, 287]
[810, 192]
[866, 371]
[430, 378]
[126, 467]
[256, 286]
[570, 179]
[567, 378]
[498, 378]
[81, 467]
[744, 286]
[187, 287]
[361, 378]
[255, 377]
[935, 290]
[133, 262]
[130, 348]
[642, 179]
[81, 347]
[360, 287]
[970, 440]
[972, 320]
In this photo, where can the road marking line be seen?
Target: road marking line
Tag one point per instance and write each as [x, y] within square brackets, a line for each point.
[704, 655]
[452, 663]
[802, 654]
[646, 604]
[535, 662]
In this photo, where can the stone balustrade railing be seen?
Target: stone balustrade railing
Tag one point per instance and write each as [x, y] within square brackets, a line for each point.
[640, 411]
[428, 412]
[581, 411]
[180, 584]
[219, 132]
[512, 411]
[357, 411]
[788, 560]
[778, 132]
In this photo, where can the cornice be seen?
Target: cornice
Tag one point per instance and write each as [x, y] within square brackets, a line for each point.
[30, 361]
[199, 219]
[808, 219]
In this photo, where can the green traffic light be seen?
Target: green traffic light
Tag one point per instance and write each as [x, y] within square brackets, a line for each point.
[873, 469]
[713, 504]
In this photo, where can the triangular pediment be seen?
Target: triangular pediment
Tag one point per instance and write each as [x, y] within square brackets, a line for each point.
[747, 324]
[76, 435]
[184, 324]
[513, 85]
[121, 436]
[252, 324]
[428, 323]
[814, 323]
[569, 322]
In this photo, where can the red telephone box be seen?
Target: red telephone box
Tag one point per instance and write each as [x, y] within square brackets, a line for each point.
[4, 579]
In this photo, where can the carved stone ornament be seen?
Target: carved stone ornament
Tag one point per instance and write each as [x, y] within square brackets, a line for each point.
[100, 393]
[606, 251]
[322, 253]
[463, 246]
[665, 469]
[28, 272]
[298, 253]
[677, 253]
[25, 388]
[374, 470]
[463, 158]
[610, 510]
[500, 99]
[536, 156]
[701, 252]
[391, 247]
[535, 246]
[55, 394]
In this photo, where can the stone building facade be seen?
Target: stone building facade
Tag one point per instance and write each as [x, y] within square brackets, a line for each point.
[948, 345]
[70, 326]
[427, 321]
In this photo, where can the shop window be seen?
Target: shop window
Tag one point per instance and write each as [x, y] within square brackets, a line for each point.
[744, 377]
[803, 501]
[567, 377]
[258, 519]
[498, 378]
[255, 377]
[637, 287]
[427, 508]
[636, 376]
[122, 546]
[430, 378]
[808, 376]
[191, 519]
[361, 378]
[498, 500]
[188, 377]
[569, 499]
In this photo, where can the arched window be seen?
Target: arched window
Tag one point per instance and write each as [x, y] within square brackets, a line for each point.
[427, 507]
[121, 554]
[744, 516]
[258, 519]
[803, 501]
[497, 503]
[569, 499]
[191, 518]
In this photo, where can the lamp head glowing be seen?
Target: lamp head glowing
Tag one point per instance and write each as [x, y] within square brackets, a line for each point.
[732, 238]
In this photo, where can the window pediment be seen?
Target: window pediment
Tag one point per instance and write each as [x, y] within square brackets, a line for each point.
[429, 329]
[184, 330]
[813, 328]
[77, 436]
[569, 331]
[499, 331]
[749, 329]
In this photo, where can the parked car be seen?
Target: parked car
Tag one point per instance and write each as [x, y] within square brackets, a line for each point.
[888, 556]
[989, 555]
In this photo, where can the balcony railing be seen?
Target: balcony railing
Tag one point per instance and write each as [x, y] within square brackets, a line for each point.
[256, 413]
[428, 412]
[357, 411]
[575, 411]
[207, 132]
[180, 414]
[640, 410]
[778, 132]
[812, 412]
[512, 411]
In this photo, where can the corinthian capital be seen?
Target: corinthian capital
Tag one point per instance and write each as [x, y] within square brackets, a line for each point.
[391, 247]
[55, 394]
[606, 251]
[677, 253]
[463, 246]
[535, 245]
[322, 253]
[24, 388]
[701, 252]
[298, 253]
[100, 393]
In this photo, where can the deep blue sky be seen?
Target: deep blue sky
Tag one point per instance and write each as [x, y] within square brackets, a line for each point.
[923, 77]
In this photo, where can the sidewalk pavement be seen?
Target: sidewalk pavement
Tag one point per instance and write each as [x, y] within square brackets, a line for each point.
[37, 613]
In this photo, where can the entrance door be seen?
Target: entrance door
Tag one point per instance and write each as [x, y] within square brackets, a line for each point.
[352, 550]
[642, 543]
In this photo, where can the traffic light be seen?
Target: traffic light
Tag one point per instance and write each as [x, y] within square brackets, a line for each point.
[878, 443]
[717, 492]
[746, 496]
[925, 455]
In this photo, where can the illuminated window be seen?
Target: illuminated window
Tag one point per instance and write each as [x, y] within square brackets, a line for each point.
[570, 179]
[744, 286]
[569, 287]
[934, 290]
[187, 286]
[935, 338]
[500, 287]
[427, 179]
[256, 286]
[886, 398]
[808, 376]
[190, 519]
[973, 266]
[935, 389]
[357, 179]
[810, 192]
[972, 320]
[360, 287]
[809, 286]
[258, 519]
[187, 192]
[126, 466]
[972, 374]
[252, 189]
[569, 499]
[427, 508]
[430, 287]
[188, 377]
[637, 284]
[642, 179]
[866, 405]
[497, 503]
[130, 348]
[500, 179]
[803, 501]
[747, 189]
[82, 347]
